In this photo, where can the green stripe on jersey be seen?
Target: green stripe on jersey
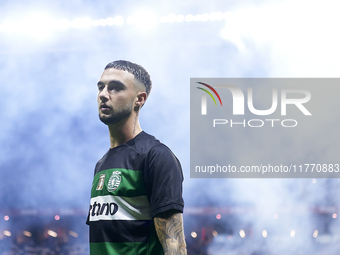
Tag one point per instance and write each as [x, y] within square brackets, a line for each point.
[134, 248]
[112, 248]
[118, 182]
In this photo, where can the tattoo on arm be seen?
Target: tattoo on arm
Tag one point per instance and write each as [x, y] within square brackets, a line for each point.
[169, 228]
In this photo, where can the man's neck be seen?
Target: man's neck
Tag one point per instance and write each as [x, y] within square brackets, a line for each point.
[123, 132]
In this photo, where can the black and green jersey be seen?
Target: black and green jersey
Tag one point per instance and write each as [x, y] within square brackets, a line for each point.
[132, 184]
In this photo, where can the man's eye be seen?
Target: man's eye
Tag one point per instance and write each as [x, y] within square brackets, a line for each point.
[115, 88]
[100, 87]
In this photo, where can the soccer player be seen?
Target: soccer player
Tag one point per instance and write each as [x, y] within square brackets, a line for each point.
[136, 197]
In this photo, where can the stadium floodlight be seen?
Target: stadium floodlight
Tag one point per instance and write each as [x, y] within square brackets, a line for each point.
[72, 233]
[171, 18]
[189, 18]
[62, 24]
[95, 23]
[52, 233]
[179, 18]
[163, 19]
[81, 23]
[216, 16]
[193, 234]
[242, 233]
[110, 21]
[7, 233]
[9, 27]
[143, 20]
[41, 25]
[6, 26]
[27, 233]
[36, 24]
[103, 22]
[197, 17]
[119, 20]
[204, 17]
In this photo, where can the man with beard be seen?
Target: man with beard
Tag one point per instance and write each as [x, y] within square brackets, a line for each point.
[136, 197]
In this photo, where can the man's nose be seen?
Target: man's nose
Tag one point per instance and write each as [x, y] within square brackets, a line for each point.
[103, 94]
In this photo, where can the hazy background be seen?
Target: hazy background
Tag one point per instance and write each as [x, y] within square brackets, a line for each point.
[52, 54]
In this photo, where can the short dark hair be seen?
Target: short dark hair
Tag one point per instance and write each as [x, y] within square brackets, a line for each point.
[138, 71]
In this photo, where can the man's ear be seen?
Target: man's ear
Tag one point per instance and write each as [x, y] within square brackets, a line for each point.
[141, 98]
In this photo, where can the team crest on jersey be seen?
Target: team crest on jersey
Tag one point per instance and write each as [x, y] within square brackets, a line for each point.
[101, 182]
[114, 181]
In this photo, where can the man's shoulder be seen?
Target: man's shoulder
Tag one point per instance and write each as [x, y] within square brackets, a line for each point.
[154, 149]
[144, 143]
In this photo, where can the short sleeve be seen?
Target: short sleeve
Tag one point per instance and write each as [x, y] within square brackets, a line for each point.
[163, 180]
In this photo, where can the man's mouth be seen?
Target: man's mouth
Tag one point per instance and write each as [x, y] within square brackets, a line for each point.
[104, 108]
